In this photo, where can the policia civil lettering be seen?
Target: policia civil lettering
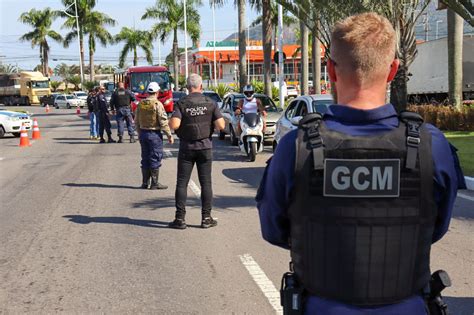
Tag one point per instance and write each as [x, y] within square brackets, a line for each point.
[362, 217]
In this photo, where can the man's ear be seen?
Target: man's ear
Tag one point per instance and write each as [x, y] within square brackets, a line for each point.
[393, 70]
[332, 70]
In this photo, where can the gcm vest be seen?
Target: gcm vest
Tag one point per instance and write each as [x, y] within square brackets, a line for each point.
[148, 114]
[363, 212]
[196, 120]
[123, 98]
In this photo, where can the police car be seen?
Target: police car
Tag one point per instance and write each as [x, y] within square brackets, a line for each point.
[10, 122]
[298, 108]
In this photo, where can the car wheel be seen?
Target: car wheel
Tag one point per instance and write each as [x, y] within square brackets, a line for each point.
[2, 132]
[17, 134]
[221, 135]
[233, 139]
[68, 106]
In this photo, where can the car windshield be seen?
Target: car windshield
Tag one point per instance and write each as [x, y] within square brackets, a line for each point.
[178, 95]
[140, 80]
[215, 97]
[69, 97]
[40, 84]
[81, 94]
[321, 106]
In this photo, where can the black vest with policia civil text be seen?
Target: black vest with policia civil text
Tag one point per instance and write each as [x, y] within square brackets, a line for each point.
[196, 117]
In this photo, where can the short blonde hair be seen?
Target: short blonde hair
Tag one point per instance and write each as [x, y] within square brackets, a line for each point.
[364, 45]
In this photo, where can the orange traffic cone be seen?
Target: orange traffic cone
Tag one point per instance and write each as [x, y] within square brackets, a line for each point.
[78, 110]
[24, 141]
[36, 131]
[47, 108]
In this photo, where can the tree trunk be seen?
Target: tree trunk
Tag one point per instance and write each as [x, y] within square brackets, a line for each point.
[91, 60]
[81, 46]
[398, 88]
[175, 60]
[304, 59]
[242, 46]
[46, 59]
[135, 56]
[267, 46]
[455, 41]
[316, 62]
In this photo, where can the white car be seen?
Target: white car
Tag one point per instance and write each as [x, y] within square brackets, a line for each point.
[10, 122]
[67, 101]
[291, 91]
[80, 95]
[298, 108]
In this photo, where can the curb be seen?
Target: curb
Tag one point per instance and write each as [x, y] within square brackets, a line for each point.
[469, 182]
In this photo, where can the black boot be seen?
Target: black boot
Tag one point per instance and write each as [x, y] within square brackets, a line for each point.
[120, 140]
[132, 139]
[111, 140]
[102, 140]
[155, 174]
[146, 177]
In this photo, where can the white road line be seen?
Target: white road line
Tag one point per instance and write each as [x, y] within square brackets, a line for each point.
[192, 185]
[167, 153]
[2, 158]
[465, 196]
[261, 279]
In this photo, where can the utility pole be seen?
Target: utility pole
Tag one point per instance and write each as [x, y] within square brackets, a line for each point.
[280, 55]
[455, 42]
[185, 41]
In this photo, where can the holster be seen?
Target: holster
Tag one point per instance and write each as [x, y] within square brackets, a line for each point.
[434, 301]
[291, 294]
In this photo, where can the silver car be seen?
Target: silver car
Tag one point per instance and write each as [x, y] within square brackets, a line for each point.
[228, 112]
[298, 108]
[67, 101]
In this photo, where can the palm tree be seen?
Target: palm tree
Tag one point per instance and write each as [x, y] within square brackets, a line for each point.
[170, 17]
[41, 22]
[134, 39]
[8, 68]
[95, 28]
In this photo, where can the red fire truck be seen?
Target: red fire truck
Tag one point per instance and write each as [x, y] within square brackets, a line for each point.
[137, 79]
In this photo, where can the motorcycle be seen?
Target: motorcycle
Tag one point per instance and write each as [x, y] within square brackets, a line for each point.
[251, 137]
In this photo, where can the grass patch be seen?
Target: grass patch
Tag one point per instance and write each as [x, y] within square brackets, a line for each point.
[464, 142]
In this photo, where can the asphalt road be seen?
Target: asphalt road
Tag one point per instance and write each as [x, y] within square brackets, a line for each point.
[78, 236]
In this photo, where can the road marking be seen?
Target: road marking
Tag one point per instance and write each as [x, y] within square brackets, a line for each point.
[195, 188]
[167, 153]
[261, 279]
[2, 158]
[465, 196]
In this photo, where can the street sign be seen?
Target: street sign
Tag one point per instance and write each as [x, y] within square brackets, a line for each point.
[276, 55]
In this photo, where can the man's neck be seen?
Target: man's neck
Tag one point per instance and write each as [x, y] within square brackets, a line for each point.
[362, 99]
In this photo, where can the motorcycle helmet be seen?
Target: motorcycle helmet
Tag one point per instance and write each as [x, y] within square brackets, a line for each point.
[153, 87]
[249, 92]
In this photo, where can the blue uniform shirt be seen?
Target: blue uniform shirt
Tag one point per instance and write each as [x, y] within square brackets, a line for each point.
[274, 195]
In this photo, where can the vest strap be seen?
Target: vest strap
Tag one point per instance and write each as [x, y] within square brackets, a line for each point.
[311, 123]
[413, 122]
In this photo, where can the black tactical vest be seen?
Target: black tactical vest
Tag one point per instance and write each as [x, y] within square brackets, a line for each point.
[196, 120]
[123, 98]
[362, 212]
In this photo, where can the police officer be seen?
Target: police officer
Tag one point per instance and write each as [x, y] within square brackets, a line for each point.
[364, 192]
[151, 121]
[104, 120]
[120, 106]
[194, 119]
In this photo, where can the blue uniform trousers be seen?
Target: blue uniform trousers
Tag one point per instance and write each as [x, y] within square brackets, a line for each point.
[151, 142]
[125, 114]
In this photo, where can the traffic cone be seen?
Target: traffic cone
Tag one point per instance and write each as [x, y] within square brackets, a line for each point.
[78, 110]
[47, 108]
[36, 132]
[24, 141]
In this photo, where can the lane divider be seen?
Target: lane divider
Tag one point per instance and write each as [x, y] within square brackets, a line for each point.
[465, 196]
[192, 185]
[261, 279]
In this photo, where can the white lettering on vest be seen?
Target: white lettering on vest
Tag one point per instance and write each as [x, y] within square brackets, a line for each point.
[356, 178]
[379, 181]
[196, 111]
[345, 180]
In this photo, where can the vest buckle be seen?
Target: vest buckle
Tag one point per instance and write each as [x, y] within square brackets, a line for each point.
[413, 141]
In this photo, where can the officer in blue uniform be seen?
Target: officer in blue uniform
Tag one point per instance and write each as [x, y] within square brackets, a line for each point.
[120, 106]
[364, 192]
[104, 120]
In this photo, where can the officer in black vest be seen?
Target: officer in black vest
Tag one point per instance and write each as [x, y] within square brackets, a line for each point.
[194, 119]
[364, 192]
[120, 106]
[104, 115]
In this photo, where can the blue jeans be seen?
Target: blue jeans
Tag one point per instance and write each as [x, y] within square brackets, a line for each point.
[94, 125]
[124, 113]
[151, 142]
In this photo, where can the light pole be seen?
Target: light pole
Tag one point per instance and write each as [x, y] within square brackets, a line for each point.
[437, 22]
[214, 39]
[280, 54]
[78, 38]
[185, 41]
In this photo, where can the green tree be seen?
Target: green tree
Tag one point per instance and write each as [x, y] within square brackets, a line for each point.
[41, 21]
[75, 80]
[464, 8]
[8, 68]
[134, 39]
[54, 85]
[170, 19]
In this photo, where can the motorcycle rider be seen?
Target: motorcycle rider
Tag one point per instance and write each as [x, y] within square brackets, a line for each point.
[250, 104]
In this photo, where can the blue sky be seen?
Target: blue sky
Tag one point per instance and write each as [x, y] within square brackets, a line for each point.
[126, 13]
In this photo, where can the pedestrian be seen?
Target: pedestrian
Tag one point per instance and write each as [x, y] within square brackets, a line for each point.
[104, 119]
[194, 119]
[360, 194]
[93, 115]
[151, 121]
[120, 105]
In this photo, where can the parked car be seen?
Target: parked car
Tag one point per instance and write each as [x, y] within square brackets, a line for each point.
[66, 101]
[214, 96]
[80, 95]
[48, 99]
[291, 91]
[228, 112]
[177, 95]
[10, 122]
[297, 109]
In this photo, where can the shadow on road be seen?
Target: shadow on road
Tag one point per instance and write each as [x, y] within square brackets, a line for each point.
[98, 185]
[460, 305]
[250, 176]
[83, 219]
